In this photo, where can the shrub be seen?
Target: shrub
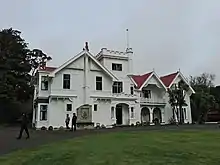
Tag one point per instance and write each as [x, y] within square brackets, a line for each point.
[43, 128]
[103, 126]
[50, 128]
[172, 121]
[132, 125]
[138, 123]
[97, 126]
[61, 128]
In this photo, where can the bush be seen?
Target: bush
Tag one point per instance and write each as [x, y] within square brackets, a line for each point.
[138, 124]
[97, 126]
[43, 128]
[132, 125]
[172, 121]
[50, 128]
[61, 128]
[103, 126]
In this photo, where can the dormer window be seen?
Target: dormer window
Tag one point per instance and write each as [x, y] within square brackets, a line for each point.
[116, 67]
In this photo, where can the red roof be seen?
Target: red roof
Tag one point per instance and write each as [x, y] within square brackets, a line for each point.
[167, 80]
[48, 69]
[140, 79]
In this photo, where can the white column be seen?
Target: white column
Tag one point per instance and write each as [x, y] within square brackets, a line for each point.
[162, 116]
[151, 115]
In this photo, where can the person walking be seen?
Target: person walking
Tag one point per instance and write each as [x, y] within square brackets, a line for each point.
[67, 121]
[24, 126]
[74, 119]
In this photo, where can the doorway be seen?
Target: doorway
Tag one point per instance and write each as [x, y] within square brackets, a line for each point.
[119, 114]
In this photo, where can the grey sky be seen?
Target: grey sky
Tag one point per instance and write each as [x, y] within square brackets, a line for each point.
[164, 34]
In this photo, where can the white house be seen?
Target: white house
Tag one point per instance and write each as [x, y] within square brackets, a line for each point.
[102, 90]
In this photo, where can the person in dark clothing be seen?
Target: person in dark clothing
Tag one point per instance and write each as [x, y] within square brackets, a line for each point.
[74, 119]
[24, 126]
[67, 121]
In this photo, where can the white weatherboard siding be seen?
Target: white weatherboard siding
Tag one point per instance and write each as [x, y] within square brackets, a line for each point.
[83, 70]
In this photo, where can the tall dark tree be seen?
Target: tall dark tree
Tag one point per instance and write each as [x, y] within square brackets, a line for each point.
[177, 99]
[18, 65]
[202, 101]
[14, 66]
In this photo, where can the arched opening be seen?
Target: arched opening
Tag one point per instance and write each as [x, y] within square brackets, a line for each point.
[157, 119]
[145, 115]
[122, 114]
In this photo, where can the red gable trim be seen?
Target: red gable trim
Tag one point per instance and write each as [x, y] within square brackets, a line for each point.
[140, 79]
[168, 79]
[48, 69]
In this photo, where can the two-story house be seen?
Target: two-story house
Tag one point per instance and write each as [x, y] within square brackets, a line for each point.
[101, 89]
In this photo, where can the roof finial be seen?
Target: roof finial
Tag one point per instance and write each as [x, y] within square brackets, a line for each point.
[86, 46]
[179, 70]
[153, 69]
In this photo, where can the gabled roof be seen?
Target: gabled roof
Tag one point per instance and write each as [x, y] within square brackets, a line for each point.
[84, 52]
[168, 79]
[140, 79]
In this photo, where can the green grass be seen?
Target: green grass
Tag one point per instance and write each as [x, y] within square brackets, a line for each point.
[134, 148]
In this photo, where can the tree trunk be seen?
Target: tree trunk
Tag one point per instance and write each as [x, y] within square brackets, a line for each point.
[181, 114]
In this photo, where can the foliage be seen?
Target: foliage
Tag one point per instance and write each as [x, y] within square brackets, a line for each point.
[17, 61]
[203, 100]
[124, 148]
[177, 99]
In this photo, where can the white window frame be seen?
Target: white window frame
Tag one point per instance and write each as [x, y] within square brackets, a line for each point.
[132, 113]
[71, 107]
[112, 112]
[63, 81]
[40, 115]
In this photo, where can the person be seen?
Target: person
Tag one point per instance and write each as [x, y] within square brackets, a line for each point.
[74, 119]
[24, 126]
[67, 121]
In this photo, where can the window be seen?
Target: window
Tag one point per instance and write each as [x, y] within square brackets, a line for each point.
[132, 90]
[147, 94]
[43, 112]
[66, 81]
[117, 87]
[112, 112]
[98, 83]
[132, 112]
[69, 107]
[117, 67]
[95, 107]
[44, 83]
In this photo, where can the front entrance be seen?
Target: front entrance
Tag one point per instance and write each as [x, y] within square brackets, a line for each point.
[119, 114]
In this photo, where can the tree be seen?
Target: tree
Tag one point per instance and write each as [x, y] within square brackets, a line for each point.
[202, 101]
[177, 99]
[18, 65]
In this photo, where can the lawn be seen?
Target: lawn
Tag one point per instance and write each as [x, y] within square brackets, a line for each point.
[126, 148]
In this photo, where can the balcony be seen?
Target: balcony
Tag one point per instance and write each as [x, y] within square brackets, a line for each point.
[152, 101]
[124, 96]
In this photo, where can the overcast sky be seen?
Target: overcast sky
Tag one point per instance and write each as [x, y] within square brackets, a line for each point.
[165, 34]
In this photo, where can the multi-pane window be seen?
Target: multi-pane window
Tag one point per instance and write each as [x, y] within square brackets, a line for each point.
[132, 112]
[117, 87]
[132, 90]
[44, 83]
[69, 107]
[66, 81]
[117, 67]
[43, 112]
[98, 83]
[95, 107]
[147, 94]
